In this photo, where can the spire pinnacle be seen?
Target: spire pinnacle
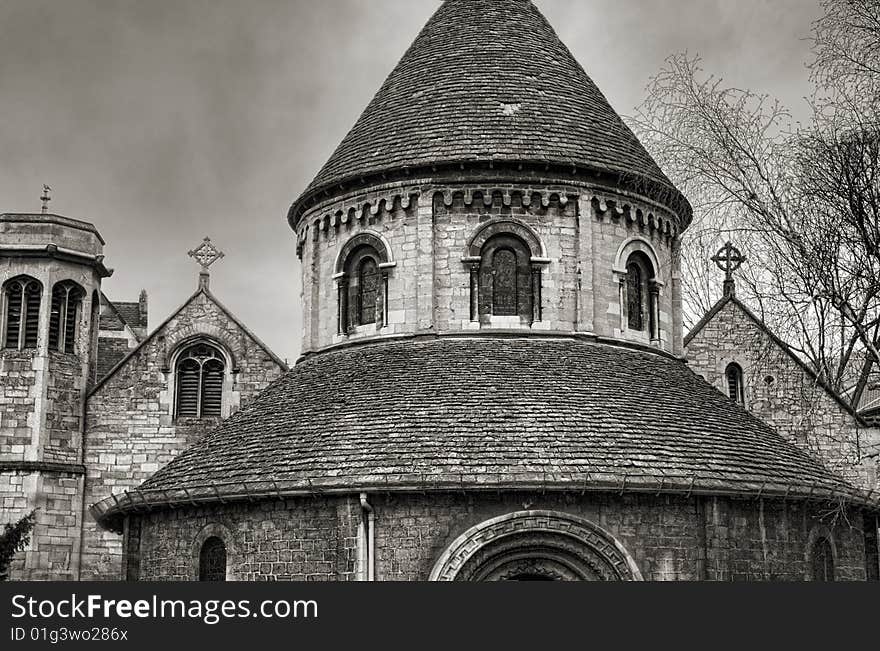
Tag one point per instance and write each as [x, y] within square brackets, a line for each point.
[46, 198]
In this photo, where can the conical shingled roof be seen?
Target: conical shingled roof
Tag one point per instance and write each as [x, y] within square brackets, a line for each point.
[489, 80]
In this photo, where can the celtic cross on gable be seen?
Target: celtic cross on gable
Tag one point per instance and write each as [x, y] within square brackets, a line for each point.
[729, 259]
[206, 254]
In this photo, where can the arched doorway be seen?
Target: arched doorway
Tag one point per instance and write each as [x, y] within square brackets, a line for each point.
[536, 546]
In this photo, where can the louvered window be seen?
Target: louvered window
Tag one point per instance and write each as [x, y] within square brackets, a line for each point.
[66, 305]
[212, 560]
[735, 388]
[200, 376]
[21, 313]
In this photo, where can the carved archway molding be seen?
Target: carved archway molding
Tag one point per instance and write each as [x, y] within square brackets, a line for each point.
[532, 543]
[509, 227]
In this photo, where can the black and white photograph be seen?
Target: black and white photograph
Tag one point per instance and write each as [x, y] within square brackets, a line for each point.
[439, 291]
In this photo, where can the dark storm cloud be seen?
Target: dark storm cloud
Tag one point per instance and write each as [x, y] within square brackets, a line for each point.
[167, 120]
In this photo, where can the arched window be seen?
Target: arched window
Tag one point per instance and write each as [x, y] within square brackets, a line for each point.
[362, 282]
[640, 299]
[367, 290]
[200, 372]
[67, 299]
[212, 560]
[504, 283]
[507, 285]
[822, 561]
[21, 312]
[635, 296]
[735, 389]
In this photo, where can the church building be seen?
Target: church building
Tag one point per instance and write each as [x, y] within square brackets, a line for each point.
[495, 381]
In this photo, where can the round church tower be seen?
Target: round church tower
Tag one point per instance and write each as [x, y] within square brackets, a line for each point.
[490, 187]
[491, 385]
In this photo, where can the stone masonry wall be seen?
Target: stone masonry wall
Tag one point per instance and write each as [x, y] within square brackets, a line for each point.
[17, 400]
[131, 431]
[308, 539]
[669, 537]
[64, 400]
[53, 553]
[781, 392]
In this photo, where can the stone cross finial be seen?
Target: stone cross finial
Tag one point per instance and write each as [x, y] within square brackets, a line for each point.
[46, 198]
[729, 259]
[206, 254]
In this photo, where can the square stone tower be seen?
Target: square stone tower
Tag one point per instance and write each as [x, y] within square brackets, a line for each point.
[51, 269]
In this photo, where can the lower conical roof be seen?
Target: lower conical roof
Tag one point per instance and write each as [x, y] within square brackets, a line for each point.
[472, 413]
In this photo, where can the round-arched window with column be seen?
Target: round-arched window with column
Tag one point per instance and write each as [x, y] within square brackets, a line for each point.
[362, 271]
[636, 270]
[639, 306]
[505, 259]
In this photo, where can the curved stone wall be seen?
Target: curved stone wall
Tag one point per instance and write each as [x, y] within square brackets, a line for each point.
[418, 537]
[578, 238]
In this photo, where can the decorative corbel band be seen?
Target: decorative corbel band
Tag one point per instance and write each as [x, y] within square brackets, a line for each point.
[528, 197]
[355, 209]
[663, 225]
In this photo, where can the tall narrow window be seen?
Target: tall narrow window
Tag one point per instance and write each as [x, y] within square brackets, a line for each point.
[822, 561]
[641, 295]
[635, 297]
[212, 560]
[200, 373]
[67, 299]
[368, 291]
[735, 390]
[21, 305]
[504, 283]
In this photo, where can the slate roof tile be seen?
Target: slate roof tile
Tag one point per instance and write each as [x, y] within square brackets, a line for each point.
[428, 412]
[489, 80]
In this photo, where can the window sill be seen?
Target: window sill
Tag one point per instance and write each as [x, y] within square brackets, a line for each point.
[188, 421]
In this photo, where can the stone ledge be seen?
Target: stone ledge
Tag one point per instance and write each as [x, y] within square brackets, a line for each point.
[42, 466]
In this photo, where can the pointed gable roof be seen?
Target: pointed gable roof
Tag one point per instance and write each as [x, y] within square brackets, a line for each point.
[490, 81]
[201, 291]
[731, 299]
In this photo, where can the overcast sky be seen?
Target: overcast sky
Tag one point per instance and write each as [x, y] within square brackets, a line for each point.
[162, 121]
